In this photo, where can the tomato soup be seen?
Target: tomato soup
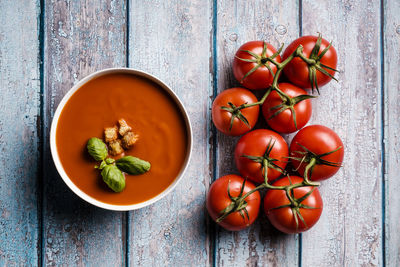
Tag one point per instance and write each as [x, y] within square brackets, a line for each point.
[151, 113]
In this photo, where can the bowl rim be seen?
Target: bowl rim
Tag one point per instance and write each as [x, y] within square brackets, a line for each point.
[63, 174]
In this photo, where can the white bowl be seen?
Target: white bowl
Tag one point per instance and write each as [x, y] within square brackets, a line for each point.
[63, 174]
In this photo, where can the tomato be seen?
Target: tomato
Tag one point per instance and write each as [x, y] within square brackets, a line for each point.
[324, 147]
[256, 144]
[298, 71]
[222, 118]
[218, 199]
[284, 121]
[261, 78]
[284, 218]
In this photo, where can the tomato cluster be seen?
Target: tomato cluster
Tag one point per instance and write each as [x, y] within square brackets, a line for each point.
[292, 203]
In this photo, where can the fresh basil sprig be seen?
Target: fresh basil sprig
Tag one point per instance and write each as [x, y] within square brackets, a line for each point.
[133, 165]
[113, 177]
[101, 166]
[111, 170]
[97, 149]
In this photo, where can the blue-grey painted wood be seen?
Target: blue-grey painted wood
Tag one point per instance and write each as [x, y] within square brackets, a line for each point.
[238, 22]
[80, 38]
[19, 108]
[174, 40]
[391, 48]
[349, 230]
[171, 39]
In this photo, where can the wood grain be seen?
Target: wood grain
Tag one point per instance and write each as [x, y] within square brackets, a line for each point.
[80, 38]
[174, 40]
[238, 22]
[349, 230]
[19, 108]
[171, 39]
[391, 48]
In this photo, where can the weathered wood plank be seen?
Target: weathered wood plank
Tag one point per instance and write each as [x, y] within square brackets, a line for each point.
[349, 231]
[80, 37]
[239, 22]
[391, 50]
[19, 102]
[171, 39]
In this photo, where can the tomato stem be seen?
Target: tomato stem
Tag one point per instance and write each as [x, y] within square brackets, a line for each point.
[274, 86]
[238, 204]
[307, 60]
[312, 159]
[313, 63]
[265, 165]
[289, 101]
[261, 186]
[309, 166]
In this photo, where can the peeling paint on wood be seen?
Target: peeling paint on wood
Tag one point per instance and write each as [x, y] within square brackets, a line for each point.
[171, 39]
[391, 34]
[238, 22]
[80, 38]
[19, 154]
[349, 231]
[174, 41]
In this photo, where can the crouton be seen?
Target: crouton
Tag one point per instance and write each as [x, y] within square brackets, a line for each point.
[115, 147]
[123, 127]
[129, 139]
[110, 134]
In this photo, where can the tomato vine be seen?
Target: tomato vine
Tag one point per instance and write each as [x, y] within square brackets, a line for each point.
[238, 204]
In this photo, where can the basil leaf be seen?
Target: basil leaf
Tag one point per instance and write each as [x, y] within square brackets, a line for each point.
[113, 177]
[97, 149]
[110, 161]
[133, 165]
[101, 166]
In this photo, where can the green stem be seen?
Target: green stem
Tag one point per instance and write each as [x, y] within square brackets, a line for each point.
[287, 191]
[311, 164]
[309, 61]
[272, 187]
[265, 166]
[279, 66]
[261, 186]
[239, 201]
[261, 101]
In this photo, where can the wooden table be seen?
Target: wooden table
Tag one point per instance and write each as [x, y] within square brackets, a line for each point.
[47, 46]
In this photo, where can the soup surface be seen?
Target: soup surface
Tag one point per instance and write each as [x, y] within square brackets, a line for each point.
[150, 112]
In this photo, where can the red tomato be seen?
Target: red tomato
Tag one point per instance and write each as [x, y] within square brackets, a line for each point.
[284, 219]
[218, 199]
[255, 144]
[319, 140]
[297, 71]
[222, 118]
[261, 78]
[284, 121]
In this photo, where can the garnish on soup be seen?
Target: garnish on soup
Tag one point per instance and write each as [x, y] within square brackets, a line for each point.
[126, 141]
[112, 170]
